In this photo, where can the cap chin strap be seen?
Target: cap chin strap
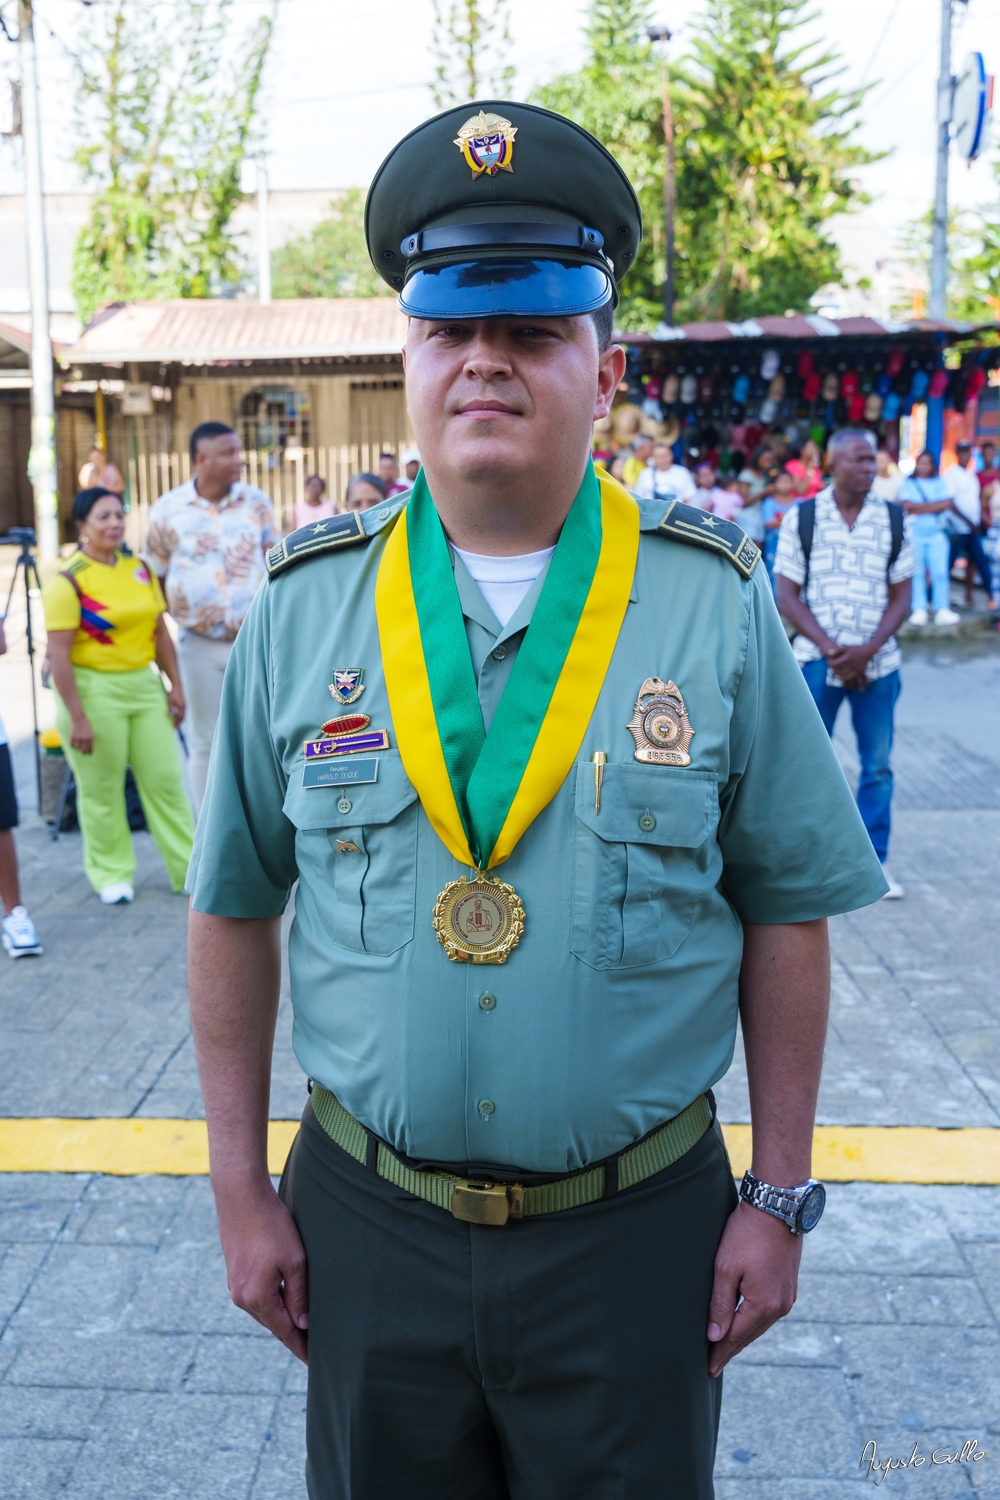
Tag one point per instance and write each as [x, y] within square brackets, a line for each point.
[473, 236]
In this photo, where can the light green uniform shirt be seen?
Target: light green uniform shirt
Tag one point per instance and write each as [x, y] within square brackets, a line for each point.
[619, 1005]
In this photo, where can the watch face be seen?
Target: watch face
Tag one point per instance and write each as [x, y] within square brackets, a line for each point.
[811, 1208]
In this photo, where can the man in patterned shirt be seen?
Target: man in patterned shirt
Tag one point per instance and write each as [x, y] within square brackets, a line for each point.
[846, 598]
[206, 542]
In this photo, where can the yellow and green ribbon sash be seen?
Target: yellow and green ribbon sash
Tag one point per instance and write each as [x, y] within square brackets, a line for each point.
[481, 791]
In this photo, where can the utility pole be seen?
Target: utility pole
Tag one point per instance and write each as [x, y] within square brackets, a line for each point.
[42, 458]
[939, 232]
[662, 34]
[263, 238]
[253, 179]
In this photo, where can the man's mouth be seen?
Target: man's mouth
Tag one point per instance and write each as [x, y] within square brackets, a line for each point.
[487, 409]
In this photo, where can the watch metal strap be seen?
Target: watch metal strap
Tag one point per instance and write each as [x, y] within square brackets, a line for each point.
[777, 1201]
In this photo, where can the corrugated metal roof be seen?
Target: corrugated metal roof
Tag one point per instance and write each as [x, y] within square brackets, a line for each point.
[15, 348]
[802, 326]
[212, 331]
[205, 331]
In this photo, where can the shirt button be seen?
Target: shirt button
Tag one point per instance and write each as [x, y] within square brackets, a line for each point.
[486, 1108]
[500, 653]
[487, 1002]
[647, 822]
[344, 805]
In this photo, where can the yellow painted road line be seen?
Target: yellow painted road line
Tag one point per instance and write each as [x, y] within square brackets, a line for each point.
[890, 1153]
[126, 1148]
[179, 1148]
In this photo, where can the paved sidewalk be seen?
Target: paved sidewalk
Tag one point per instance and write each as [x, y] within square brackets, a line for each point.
[126, 1374]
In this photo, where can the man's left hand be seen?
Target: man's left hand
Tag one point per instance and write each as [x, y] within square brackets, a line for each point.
[849, 664]
[758, 1261]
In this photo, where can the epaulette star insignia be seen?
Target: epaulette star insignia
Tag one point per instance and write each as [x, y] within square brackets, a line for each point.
[309, 541]
[698, 528]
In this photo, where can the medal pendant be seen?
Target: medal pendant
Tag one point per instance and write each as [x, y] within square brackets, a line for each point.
[478, 921]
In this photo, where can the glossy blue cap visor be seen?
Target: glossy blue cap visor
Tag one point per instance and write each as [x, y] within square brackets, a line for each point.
[512, 289]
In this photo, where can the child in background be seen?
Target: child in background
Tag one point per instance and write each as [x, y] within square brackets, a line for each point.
[772, 510]
[718, 494]
[727, 498]
[315, 506]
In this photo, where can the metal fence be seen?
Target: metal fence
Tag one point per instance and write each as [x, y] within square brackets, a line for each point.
[281, 475]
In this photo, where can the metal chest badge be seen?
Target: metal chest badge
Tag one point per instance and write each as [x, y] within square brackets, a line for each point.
[347, 686]
[487, 143]
[660, 725]
[478, 921]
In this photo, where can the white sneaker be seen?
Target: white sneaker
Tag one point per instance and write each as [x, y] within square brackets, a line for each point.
[118, 894]
[896, 892]
[18, 935]
[918, 617]
[946, 617]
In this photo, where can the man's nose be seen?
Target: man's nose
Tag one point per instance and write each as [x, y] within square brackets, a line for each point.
[486, 361]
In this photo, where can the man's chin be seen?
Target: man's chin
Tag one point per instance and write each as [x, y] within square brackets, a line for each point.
[490, 462]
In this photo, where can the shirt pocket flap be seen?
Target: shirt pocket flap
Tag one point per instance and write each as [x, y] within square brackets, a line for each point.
[666, 805]
[371, 802]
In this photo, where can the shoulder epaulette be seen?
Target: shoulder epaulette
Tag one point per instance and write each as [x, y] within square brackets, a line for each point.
[310, 541]
[76, 563]
[699, 528]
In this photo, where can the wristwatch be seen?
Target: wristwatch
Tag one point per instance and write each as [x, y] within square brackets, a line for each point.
[801, 1208]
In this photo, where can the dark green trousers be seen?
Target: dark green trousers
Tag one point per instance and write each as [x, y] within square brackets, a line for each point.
[560, 1358]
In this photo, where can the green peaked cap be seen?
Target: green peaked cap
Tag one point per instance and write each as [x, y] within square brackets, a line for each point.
[496, 207]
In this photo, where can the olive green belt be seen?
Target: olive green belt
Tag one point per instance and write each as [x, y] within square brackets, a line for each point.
[494, 1203]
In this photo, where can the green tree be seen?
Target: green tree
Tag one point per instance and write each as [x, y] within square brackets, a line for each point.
[764, 154]
[332, 260]
[166, 105]
[469, 41]
[618, 96]
[974, 256]
[973, 264]
[765, 160]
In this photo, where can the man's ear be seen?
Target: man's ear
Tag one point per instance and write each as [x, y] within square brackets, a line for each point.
[610, 370]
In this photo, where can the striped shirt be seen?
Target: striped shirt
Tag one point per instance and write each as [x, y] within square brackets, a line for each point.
[848, 591]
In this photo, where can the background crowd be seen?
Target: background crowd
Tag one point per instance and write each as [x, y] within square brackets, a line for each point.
[202, 561]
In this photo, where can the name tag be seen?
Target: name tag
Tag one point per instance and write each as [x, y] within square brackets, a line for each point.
[341, 773]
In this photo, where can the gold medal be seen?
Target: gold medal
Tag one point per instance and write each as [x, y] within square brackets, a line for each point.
[478, 921]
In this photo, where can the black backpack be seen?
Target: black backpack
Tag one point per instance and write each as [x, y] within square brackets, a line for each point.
[807, 525]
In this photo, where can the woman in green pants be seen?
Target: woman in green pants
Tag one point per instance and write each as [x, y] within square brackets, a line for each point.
[104, 613]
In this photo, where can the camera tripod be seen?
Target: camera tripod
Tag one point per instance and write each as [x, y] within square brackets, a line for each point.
[24, 537]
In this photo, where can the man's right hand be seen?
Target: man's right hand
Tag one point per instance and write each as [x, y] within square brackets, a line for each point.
[266, 1264]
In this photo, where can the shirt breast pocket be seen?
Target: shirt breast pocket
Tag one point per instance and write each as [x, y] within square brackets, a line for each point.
[642, 862]
[360, 864]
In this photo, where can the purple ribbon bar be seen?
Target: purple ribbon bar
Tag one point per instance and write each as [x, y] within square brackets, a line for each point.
[346, 744]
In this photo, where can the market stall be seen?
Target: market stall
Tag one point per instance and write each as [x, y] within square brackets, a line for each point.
[714, 391]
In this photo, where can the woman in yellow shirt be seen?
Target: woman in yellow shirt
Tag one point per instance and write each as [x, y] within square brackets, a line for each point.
[104, 613]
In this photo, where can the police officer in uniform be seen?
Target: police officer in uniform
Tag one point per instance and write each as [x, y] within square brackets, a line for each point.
[559, 807]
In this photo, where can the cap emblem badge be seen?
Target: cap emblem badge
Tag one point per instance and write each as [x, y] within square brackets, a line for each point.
[660, 725]
[487, 143]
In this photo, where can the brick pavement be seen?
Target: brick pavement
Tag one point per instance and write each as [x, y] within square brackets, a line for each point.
[125, 1373]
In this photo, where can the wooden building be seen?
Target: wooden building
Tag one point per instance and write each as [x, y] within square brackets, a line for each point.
[74, 429]
[312, 386]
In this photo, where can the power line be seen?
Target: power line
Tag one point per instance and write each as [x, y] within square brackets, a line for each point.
[392, 88]
[906, 72]
[882, 36]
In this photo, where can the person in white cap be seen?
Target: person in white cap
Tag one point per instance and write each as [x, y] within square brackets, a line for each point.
[410, 464]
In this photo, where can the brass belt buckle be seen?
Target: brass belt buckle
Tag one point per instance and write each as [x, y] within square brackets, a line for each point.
[487, 1202]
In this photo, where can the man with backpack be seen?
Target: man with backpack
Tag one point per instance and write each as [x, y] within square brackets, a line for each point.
[844, 568]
